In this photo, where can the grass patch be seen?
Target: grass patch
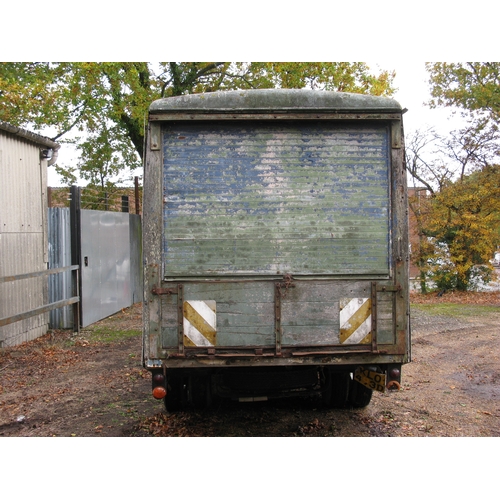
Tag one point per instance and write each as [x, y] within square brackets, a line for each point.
[457, 310]
[109, 335]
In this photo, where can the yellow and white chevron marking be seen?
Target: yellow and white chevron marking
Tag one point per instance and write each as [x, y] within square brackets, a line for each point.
[355, 321]
[199, 323]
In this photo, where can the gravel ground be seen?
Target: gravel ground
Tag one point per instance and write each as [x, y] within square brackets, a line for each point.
[62, 385]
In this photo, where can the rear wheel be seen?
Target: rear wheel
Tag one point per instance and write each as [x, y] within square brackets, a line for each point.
[336, 388]
[359, 395]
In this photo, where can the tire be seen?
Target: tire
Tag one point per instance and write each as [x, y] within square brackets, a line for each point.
[359, 395]
[336, 388]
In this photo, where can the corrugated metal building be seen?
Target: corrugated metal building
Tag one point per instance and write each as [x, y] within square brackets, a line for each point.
[24, 157]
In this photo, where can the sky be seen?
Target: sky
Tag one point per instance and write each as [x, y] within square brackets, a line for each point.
[414, 94]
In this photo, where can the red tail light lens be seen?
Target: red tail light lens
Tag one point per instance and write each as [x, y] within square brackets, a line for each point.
[159, 392]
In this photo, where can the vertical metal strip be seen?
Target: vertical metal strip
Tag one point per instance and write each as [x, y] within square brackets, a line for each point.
[277, 317]
[374, 315]
[76, 247]
[180, 316]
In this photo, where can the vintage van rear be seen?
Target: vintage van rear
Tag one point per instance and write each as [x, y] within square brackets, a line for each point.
[275, 247]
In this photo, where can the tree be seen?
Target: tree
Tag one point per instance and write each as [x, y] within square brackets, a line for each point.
[101, 107]
[473, 87]
[464, 225]
[458, 223]
[455, 207]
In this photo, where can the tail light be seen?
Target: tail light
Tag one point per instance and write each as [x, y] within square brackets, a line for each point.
[394, 373]
[159, 390]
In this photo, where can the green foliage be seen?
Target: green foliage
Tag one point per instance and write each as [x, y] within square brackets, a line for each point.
[471, 86]
[102, 107]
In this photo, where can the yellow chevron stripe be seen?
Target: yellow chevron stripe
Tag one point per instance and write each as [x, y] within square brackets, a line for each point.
[188, 342]
[199, 323]
[355, 321]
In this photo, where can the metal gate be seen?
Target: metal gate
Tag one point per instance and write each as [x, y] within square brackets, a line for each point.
[107, 247]
[106, 268]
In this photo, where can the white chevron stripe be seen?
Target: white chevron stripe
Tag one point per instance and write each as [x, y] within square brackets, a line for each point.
[363, 330]
[348, 308]
[208, 314]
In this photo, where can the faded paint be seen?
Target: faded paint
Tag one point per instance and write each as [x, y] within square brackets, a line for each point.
[355, 321]
[234, 206]
[271, 102]
[200, 323]
[307, 199]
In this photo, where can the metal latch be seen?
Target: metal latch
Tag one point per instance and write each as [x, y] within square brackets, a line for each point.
[285, 285]
[390, 288]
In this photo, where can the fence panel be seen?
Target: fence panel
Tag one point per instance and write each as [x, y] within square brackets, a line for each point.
[60, 286]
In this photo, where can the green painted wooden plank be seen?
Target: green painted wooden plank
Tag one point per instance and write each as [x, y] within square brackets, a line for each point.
[256, 197]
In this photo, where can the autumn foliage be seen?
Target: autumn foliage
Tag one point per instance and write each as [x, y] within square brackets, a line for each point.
[459, 228]
[456, 224]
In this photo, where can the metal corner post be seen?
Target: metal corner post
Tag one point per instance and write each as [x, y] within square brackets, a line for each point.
[75, 222]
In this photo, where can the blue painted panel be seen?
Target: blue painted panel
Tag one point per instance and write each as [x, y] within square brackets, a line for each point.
[268, 199]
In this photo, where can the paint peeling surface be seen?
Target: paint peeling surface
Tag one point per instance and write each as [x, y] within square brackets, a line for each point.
[355, 321]
[267, 199]
[200, 323]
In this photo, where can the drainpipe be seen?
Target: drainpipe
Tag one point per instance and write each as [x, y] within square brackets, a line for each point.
[51, 154]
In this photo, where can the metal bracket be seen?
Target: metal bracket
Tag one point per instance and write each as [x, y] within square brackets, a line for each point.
[285, 284]
[281, 290]
[277, 318]
[164, 291]
[390, 288]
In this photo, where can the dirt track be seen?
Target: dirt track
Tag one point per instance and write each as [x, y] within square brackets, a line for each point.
[60, 385]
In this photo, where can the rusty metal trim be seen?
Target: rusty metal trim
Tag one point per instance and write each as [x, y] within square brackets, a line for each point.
[180, 317]
[374, 315]
[336, 352]
[314, 115]
[277, 318]
[164, 291]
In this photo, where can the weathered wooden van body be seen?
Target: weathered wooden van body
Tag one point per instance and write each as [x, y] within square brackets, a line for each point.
[275, 245]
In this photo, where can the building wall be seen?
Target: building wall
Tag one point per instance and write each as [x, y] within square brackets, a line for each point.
[23, 236]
